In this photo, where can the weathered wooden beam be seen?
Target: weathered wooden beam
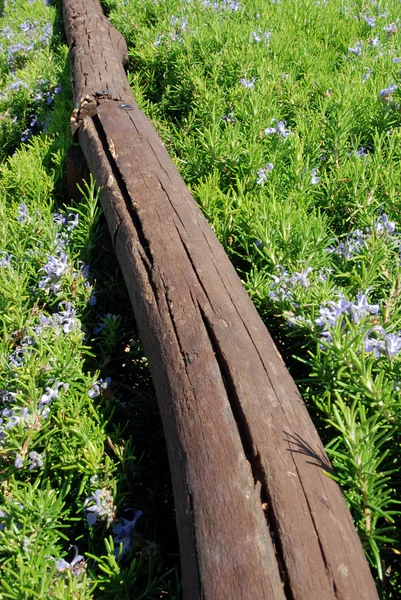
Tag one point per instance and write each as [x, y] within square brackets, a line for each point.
[257, 517]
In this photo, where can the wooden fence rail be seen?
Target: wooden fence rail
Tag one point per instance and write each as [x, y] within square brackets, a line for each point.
[257, 517]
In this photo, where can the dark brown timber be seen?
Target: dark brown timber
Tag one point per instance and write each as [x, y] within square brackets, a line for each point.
[257, 516]
[77, 172]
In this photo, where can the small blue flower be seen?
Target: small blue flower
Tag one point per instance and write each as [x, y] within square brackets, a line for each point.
[85, 270]
[98, 387]
[3, 515]
[382, 342]
[19, 462]
[123, 530]
[369, 20]
[385, 94]
[263, 173]
[392, 28]
[22, 212]
[279, 129]
[330, 314]
[5, 259]
[361, 308]
[258, 36]
[383, 224]
[314, 177]
[36, 460]
[367, 74]
[16, 85]
[52, 393]
[357, 49]
[101, 506]
[361, 152]
[248, 83]
[76, 566]
[92, 300]
[55, 268]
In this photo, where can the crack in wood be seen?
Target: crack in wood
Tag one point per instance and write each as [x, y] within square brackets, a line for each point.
[252, 456]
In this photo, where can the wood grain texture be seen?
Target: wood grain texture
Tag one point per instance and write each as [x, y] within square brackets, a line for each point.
[257, 517]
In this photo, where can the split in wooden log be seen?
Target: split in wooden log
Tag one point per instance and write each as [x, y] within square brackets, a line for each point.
[257, 516]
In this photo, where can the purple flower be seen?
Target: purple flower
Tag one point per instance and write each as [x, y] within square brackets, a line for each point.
[334, 314]
[367, 74]
[7, 396]
[85, 270]
[60, 219]
[55, 267]
[314, 177]
[19, 462]
[97, 388]
[18, 357]
[22, 212]
[76, 566]
[73, 220]
[14, 419]
[369, 20]
[357, 49]
[385, 94]
[47, 34]
[323, 273]
[36, 460]
[25, 135]
[92, 300]
[393, 343]
[392, 28]
[263, 173]
[258, 36]
[52, 393]
[64, 320]
[331, 313]
[67, 317]
[123, 530]
[101, 506]
[361, 152]
[16, 85]
[353, 244]
[3, 515]
[301, 278]
[7, 33]
[248, 83]
[278, 130]
[284, 283]
[361, 308]
[230, 5]
[374, 42]
[383, 224]
[383, 342]
[5, 259]
[25, 26]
